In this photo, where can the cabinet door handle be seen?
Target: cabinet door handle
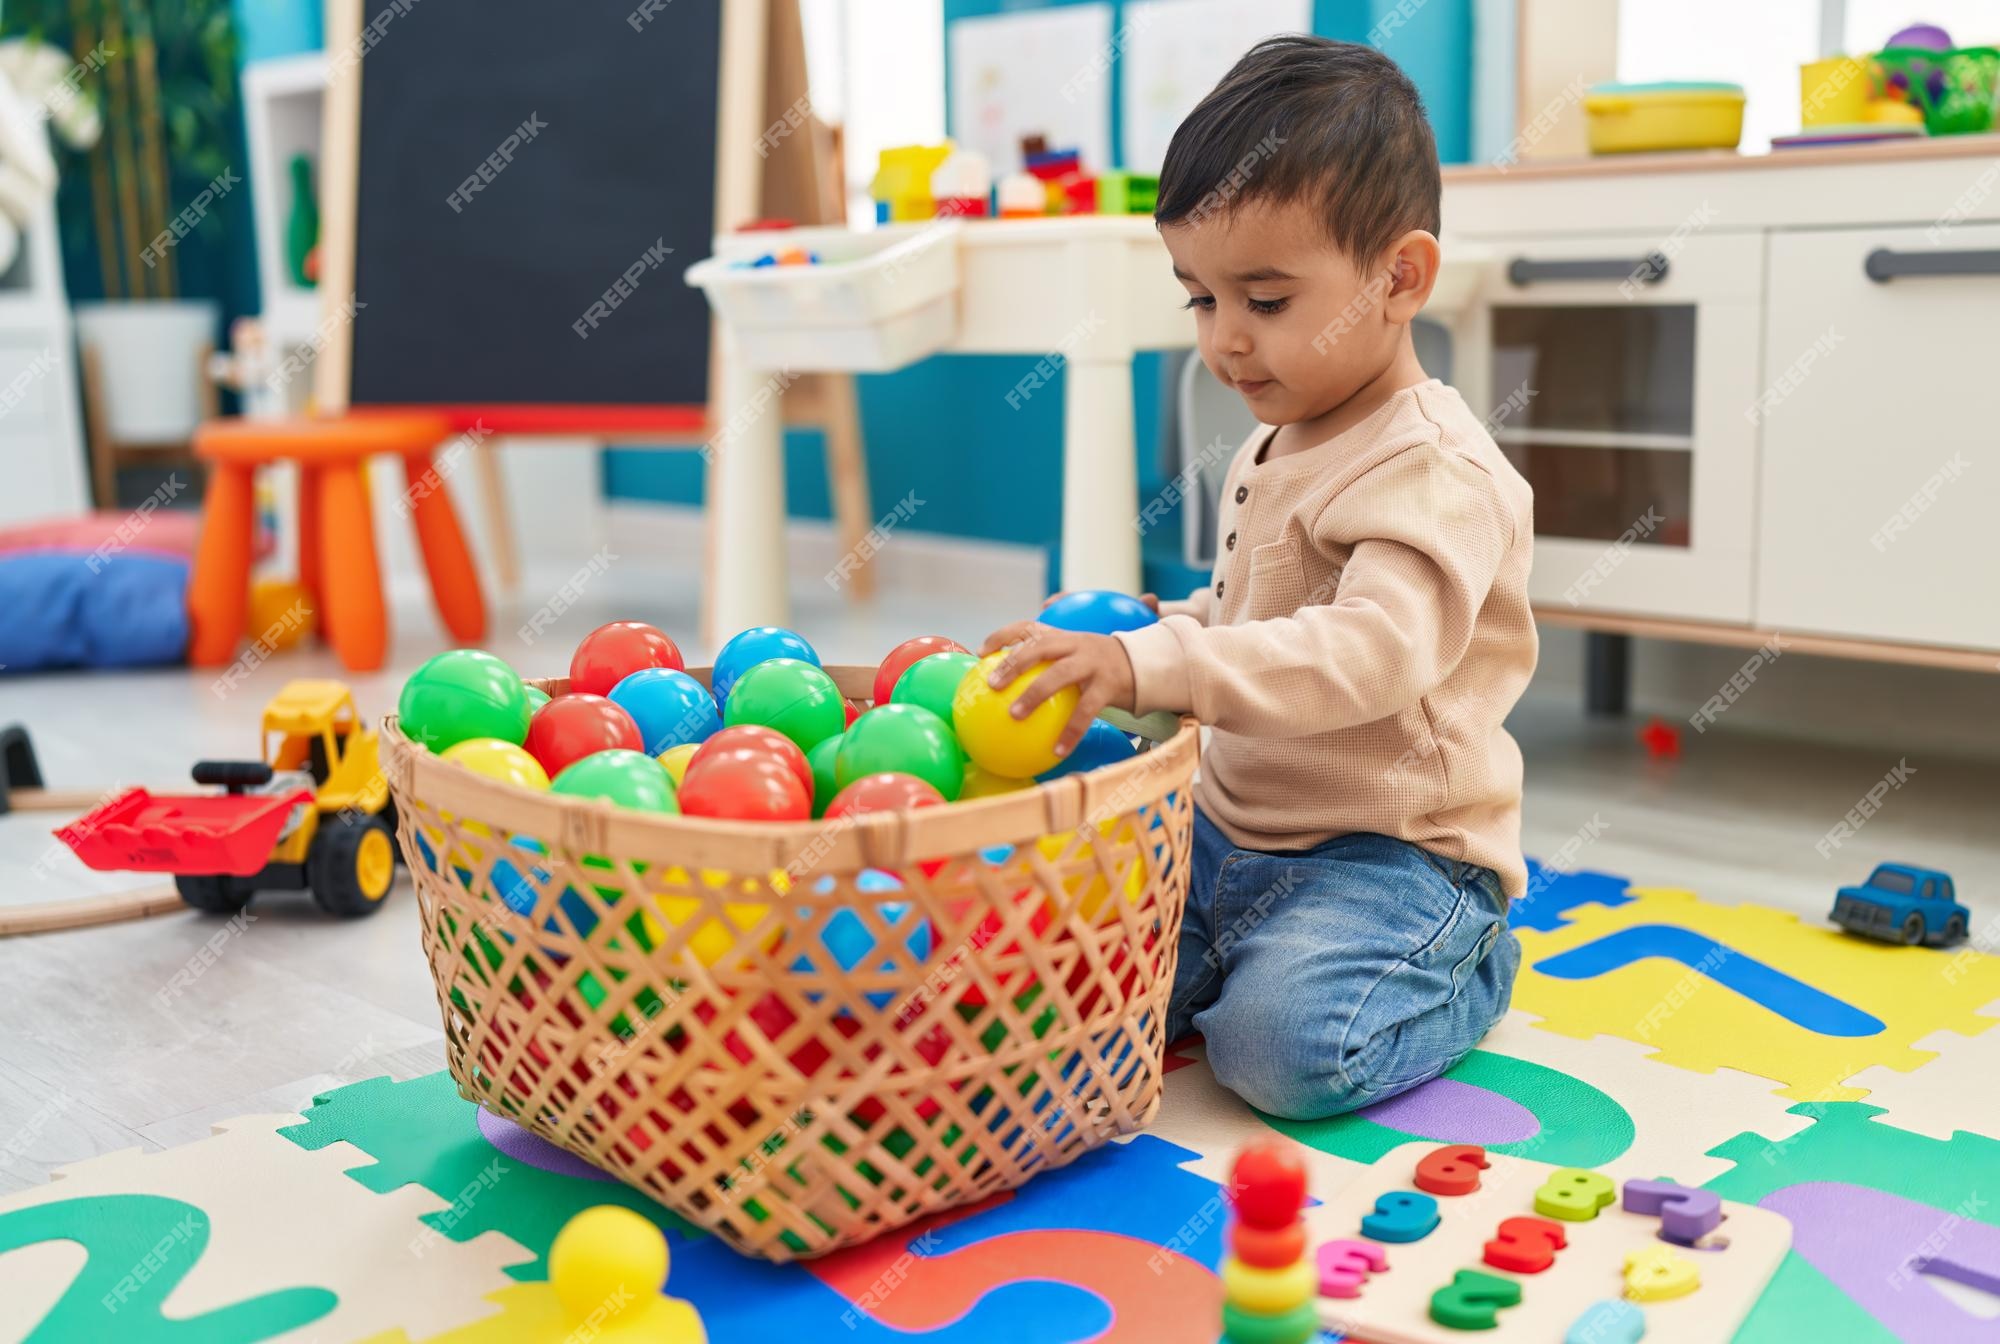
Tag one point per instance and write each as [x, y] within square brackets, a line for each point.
[1649, 269]
[1882, 265]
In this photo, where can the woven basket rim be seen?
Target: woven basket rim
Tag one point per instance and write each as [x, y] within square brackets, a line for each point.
[883, 839]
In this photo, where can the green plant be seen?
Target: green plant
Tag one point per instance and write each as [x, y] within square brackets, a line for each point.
[164, 74]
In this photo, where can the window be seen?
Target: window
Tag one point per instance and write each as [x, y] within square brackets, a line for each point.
[1888, 879]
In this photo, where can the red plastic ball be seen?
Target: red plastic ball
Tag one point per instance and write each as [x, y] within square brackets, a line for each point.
[756, 739]
[853, 712]
[884, 792]
[571, 727]
[610, 653]
[900, 658]
[744, 786]
[1269, 1182]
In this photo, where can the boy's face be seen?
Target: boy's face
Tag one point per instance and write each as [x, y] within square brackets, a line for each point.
[1282, 314]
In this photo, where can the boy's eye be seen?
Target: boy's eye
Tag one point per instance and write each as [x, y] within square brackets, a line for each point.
[1202, 301]
[1268, 305]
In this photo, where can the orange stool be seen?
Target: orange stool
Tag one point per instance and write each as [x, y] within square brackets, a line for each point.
[338, 567]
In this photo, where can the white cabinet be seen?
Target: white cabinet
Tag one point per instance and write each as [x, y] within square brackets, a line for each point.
[1881, 460]
[1618, 369]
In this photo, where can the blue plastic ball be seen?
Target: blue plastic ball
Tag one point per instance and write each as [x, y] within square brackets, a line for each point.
[514, 886]
[670, 707]
[1097, 612]
[1103, 744]
[852, 944]
[755, 645]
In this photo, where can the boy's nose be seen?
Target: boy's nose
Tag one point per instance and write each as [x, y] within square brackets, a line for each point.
[1232, 336]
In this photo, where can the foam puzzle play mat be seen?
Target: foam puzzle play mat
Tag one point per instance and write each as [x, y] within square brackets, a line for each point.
[1699, 1122]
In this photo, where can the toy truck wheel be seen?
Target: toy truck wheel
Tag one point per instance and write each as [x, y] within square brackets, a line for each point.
[1954, 929]
[214, 895]
[352, 864]
[1913, 930]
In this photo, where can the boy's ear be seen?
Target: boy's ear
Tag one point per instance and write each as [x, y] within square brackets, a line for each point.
[1412, 264]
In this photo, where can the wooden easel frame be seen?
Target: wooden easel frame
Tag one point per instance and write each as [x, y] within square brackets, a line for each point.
[762, 78]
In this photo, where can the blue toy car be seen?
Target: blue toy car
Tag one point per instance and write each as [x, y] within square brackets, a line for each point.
[1900, 903]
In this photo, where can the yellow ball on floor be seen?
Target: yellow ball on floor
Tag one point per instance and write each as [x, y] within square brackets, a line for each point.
[607, 1255]
[998, 742]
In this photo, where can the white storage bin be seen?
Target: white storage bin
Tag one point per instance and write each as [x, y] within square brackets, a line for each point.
[876, 301]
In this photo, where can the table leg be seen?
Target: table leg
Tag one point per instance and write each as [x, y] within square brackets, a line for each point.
[350, 574]
[308, 541]
[454, 582]
[219, 585]
[1100, 499]
[746, 507]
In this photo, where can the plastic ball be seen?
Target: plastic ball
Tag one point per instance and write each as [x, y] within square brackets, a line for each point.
[495, 759]
[821, 761]
[613, 652]
[852, 944]
[281, 613]
[461, 694]
[1097, 612]
[571, 727]
[981, 783]
[889, 791]
[931, 681]
[676, 759]
[745, 787]
[670, 707]
[1269, 1181]
[904, 738]
[607, 1254]
[537, 697]
[993, 737]
[516, 887]
[788, 694]
[853, 712]
[755, 739]
[628, 778]
[900, 658]
[753, 646]
[1102, 744]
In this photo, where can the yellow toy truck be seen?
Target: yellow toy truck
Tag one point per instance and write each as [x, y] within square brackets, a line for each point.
[313, 814]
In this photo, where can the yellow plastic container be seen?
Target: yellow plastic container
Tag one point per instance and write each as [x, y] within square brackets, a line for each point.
[1638, 118]
[1833, 92]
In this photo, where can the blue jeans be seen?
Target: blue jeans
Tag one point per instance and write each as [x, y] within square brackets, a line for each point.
[1336, 977]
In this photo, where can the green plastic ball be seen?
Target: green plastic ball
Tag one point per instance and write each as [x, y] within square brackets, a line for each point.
[628, 778]
[791, 696]
[537, 697]
[908, 739]
[463, 694]
[932, 681]
[821, 759]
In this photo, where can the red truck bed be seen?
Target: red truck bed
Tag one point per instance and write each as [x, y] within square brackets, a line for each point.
[188, 835]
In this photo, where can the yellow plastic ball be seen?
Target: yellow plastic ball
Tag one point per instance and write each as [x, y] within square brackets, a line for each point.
[608, 1255]
[280, 613]
[998, 742]
[981, 783]
[1268, 1292]
[676, 759]
[495, 759]
[1091, 889]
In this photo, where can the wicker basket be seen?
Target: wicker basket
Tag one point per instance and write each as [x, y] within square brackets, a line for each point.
[657, 995]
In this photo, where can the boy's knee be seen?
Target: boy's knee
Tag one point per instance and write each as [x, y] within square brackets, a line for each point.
[1252, 1060]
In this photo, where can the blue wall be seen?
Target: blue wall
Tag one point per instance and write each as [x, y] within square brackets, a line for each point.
[943, 429]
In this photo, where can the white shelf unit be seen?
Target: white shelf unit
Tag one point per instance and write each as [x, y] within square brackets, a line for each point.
[41, 417]
[282, 104]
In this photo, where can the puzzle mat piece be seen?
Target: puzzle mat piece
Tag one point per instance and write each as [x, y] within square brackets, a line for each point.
[1201, 1115]
[1823, 1297]
[529, 1313]
[1937, 1100]
[421, 1132]
[1394, 1306]
[1694, 1023]
[1552, 894]
[1137, 1189]
[272, 1217]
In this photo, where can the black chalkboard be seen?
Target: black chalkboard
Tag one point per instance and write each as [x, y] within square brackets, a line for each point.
[525, 167]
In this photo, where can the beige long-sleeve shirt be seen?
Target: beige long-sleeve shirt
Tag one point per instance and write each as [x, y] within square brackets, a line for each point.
[1364, 636]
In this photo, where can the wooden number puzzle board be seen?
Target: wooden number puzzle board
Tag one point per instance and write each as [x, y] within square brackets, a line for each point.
[1394, 1305]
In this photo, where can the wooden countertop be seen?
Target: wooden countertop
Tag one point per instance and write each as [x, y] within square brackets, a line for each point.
[1713, 160]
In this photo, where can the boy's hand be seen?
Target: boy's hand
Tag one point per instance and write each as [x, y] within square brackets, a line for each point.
[1095, 664]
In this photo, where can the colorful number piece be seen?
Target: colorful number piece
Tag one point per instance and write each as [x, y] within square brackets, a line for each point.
[1344, 1265]
[1526, 1245]
[1608, 1322]
[1472, 1300]
[1686, 1215]
[1404, 1215]
[1573, 1194]
[1659, 1274]
[1452, 1170]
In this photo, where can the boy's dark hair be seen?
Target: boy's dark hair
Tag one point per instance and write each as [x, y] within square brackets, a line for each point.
[1307, 118]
